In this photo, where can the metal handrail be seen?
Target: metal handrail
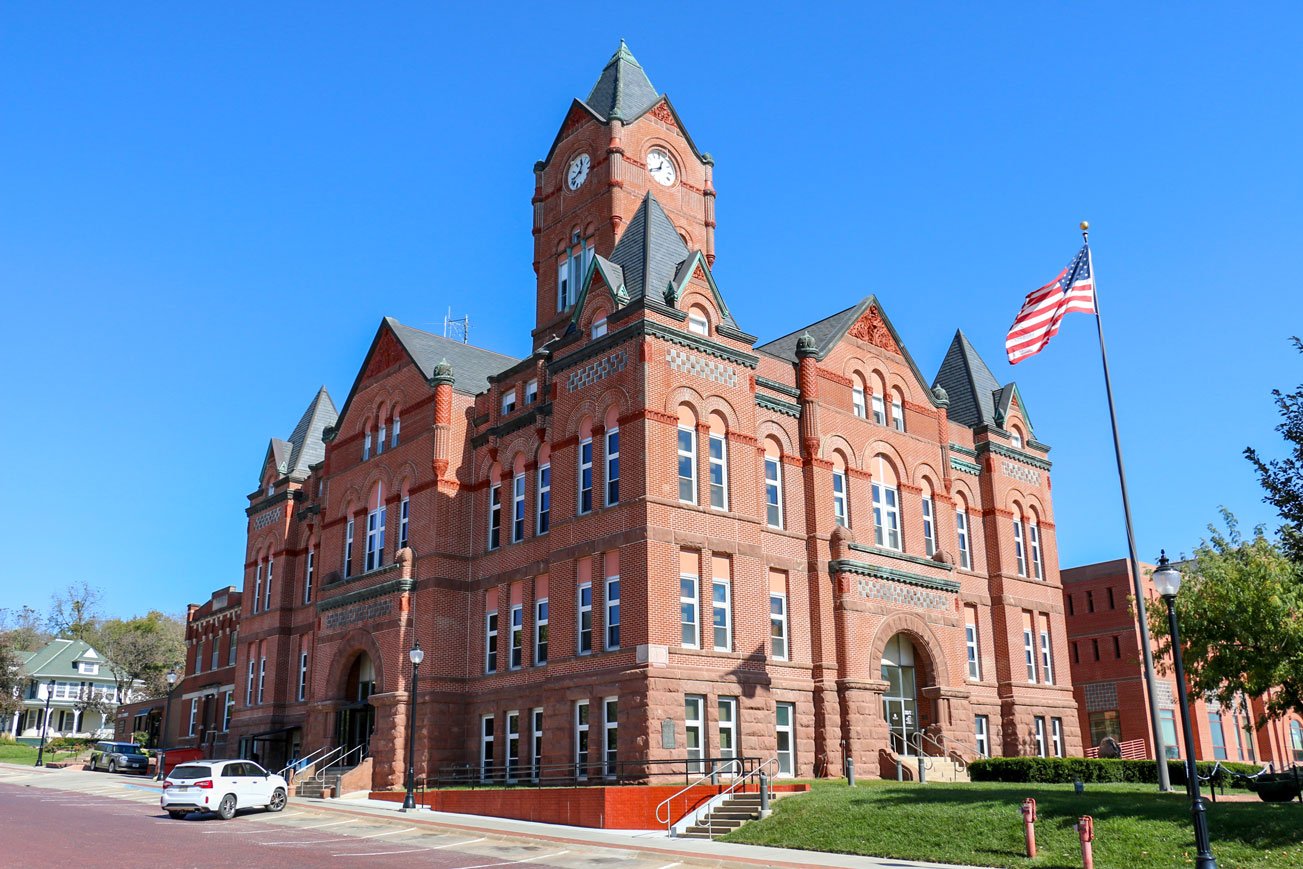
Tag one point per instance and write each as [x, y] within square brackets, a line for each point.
[710, 818]
[302, 763]
[917, 738]
[596, 772]
[331, 759]
[713, 775]
[310, 770]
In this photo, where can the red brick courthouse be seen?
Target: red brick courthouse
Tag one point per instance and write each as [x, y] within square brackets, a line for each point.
[652, 537]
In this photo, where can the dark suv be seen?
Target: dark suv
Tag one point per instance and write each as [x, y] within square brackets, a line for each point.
[118, 757]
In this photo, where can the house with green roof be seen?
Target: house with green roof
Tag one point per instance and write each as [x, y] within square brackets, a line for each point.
[82, 692]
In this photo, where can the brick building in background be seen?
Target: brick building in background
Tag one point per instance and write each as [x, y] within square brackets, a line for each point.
[651, 538]
[1108, 677]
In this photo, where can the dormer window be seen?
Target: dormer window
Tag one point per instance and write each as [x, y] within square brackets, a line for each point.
[1015, 440]
[271, 489]
[531, 392]
[508, 401]
[697, 322]
[599, 327]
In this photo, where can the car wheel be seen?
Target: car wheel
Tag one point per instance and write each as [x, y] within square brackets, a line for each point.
[177, 816]
[226, 808]
[277, 800]
[113, 766]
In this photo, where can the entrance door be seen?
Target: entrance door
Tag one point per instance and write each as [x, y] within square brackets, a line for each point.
[354, 729]
[900, 702]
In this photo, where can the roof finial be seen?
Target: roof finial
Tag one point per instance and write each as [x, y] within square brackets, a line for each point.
[1085, 231]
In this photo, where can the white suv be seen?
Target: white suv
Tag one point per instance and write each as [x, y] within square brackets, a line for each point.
[222, 786]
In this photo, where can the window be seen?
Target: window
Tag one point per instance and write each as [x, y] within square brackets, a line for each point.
[375, 534]
[585, 638]
[897, 414]
[857, 399]
[1072, 610]
[599, 327]
[1167, 720]
[784, 714]
[1104, 724]
[248, 683]
[495, 516]
[612, 612]
[217, 644]
[531, 391]
[961, 529]
[1034, 532]
[585, 475]
[727, 727]
[929, 526]
[1029, 652]
[540, 632]
[1296, 740]
[404, 520]
[1047, 659]
[257, 587]
[308, 570]
[1040, 736]
[840, 507]
[366, 447]
[486, 747]
[86, 668]
[1015, 440]
[199, 657]
[688, 610]
[1215, 730]
[227, 709]
[570, 271]
[1117, 646]
[718, 472]
[687, 465]
[778, 626]
[517, 636]
[612, 466]
[194, 715]
[348, 548]
[262, 677]
[303, 675]
[536, 752]
[879, 410]
[886, 517]
[518, 508]
[773, 492]
[974, 656]
[491, 641]
[982, 728]
[271, 566]
[1076, 653]
[581, 739]
[721, 615]
[509, 401]
[231, 652]
[1056, 736]
[693, 727]
[397, 424]
[610, 736]
[544, 498]
[1111, 604]
[1090, 601]
[380, 440]
[1019, 555]
[697, 322]
[1095, 646]
[513, 745]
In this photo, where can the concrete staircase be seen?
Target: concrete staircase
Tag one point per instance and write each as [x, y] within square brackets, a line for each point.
[726, 817]
[323, 786]
[939, 769]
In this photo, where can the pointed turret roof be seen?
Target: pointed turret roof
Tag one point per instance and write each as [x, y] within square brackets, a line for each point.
[305, 445]
[649, 251]
[623, 90]
[969, 383]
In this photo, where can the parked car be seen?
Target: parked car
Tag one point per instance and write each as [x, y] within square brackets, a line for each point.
[118, 757]
[222, 786]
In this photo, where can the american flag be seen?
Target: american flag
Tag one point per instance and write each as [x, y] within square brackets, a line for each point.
[1041, 314]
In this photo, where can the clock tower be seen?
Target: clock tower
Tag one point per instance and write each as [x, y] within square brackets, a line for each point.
[621, 143]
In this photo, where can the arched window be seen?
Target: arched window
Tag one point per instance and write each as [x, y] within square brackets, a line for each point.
[1015, 437]
[961, 533]
[585, 487]
[395, 428]
[1034, 538]
[611, 455]
[879, 399]
[495, 507]
[718, 461]
[543, 503]
[928, 508]
[382, 433]
[518, 500]
[366, 443]
[897, 410]
[1296, 740]
[841, 503]
[1019, 550]
[698, 322]
[858, 401]
[886, 506]
[375, 529]
[687, 455]
[773, 483]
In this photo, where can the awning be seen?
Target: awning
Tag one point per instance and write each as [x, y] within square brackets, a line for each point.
[273, 735]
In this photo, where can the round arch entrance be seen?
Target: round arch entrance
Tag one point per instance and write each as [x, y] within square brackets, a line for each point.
[904, 665]
[356, 718]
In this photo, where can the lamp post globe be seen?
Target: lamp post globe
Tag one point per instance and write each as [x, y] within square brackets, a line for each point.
[162, 727]
[1167, 582]
[416, 656]
[45, 723]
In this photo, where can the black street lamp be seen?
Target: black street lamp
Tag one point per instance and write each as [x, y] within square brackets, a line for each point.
[45, 724]
[162, 727]
[416, 656]
[1167, 580]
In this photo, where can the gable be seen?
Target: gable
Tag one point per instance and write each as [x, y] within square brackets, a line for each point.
[387, 353]
[871, 329]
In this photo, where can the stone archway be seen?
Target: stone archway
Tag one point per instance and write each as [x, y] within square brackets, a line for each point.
[356, 674]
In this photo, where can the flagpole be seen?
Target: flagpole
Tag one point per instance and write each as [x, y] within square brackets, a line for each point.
[1151, 683]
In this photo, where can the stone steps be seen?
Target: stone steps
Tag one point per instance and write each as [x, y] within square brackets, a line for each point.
[725, 818]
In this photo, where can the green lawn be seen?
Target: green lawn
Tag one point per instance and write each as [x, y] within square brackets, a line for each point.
[26, 754]
[980, 824]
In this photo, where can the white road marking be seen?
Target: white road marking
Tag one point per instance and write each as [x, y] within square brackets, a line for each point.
[379, 853]
[670, 865]
[514, 862]
[343, 838]
[458, 844]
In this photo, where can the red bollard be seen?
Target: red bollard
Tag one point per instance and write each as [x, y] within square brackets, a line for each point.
[1086, 830]
[1029, 825]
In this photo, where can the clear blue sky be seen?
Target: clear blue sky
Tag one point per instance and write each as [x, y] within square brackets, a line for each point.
[205, 212]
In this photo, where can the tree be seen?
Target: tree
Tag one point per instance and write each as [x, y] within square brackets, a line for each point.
[1241, 620]
[24, 629]
[1282, 479]
[141, 650]
[11, 675]
[75, 612]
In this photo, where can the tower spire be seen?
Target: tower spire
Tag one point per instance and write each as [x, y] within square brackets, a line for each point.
[623, 91]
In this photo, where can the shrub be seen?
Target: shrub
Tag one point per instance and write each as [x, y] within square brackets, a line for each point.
[1065, 770]
[69, 743]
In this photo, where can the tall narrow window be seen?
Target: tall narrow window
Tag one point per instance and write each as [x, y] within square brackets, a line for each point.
[486, 747]
[227, 709]
[540, 632]
[366, 447]
[718, 470]
[778, 643]
[929, 524]
[404, 520]
[397, 424]
[687, 465]
[303, 675]
[248, 684]
[612, 466]
[879, 409]
[531, 391]
[982, 728]
[308, 572]
[1047, 659]
[785, 713]
[544, 498]
[693, 728]
[495, 516]
[857, 398]
[513, 745]
[688, 610]
[721, 612]
[194, 715]
[517, 636]
[1015, 439]
[599, 327]
[217, 645]
[585, 637]
[509, 401]
[961, 530]
[491, 641]
[536, 752]
[610, 736]
[886, 517]
[1029, 654]
[586, 475]
[271, 569]
[697, 322]
[262, 676]
[518, 508]
[897, 413]
[199, 657]
[380, 440]
[581, 739]
[970, 643]
[1040, 736]
[257, 587]
[348, 548]
[1056, 736]
[728, 727]
[1020, 556]
[612, 612]
[375, 532]
[773, 486]
[1034, 535]
[840, 501]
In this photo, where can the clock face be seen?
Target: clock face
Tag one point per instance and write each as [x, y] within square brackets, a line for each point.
[577, 174]
[661, 167]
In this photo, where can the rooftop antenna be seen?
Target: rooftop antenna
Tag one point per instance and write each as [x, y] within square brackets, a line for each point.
[457, 328]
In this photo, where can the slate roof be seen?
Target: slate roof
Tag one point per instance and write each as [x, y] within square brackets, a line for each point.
[307, 448]
[59, 659]
[649, 251]
[471, 366]
[825, 332]
[623, 90]
[969, 383]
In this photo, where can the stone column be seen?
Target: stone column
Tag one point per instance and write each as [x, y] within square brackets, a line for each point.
[388, 745]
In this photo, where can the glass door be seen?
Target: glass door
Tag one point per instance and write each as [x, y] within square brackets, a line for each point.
[900, 702]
